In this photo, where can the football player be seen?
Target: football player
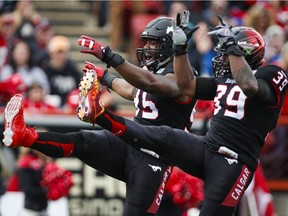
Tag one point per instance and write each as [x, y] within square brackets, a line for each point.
[157, 101]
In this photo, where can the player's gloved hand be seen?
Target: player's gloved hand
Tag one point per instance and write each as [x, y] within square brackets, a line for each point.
[181, 33]
[103, 53]
[104, 76]
[226, 38]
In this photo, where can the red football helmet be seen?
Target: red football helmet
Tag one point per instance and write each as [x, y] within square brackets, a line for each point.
[251, 43]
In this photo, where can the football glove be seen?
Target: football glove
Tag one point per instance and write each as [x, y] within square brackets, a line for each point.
[181, 33]
[104, 76]
[226, 38]
[103, 53]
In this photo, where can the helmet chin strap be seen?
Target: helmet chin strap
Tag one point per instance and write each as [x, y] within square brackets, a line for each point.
[166, 61]
[161, 63]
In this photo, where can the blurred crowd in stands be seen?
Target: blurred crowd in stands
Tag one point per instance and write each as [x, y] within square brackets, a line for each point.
[32, 52]
[36, 61]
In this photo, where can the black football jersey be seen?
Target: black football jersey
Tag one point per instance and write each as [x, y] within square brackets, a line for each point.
[155, 110]
[242, 123]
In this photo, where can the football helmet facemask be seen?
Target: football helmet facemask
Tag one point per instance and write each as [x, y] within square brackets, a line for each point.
[252, 45]
[161, 31]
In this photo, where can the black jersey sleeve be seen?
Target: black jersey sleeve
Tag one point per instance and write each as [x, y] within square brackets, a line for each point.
[272, 82]
[205, 88]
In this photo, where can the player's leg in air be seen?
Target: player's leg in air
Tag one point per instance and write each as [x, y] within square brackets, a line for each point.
[99, 149]
[84, 145]
[158, 139]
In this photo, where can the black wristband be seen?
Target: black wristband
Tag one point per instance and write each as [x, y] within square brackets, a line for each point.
[180, 49]
[232, 48]
[107, 79]
[111, 58]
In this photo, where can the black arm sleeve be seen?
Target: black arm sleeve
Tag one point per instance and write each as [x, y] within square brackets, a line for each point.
[265, 92]
[205, 88]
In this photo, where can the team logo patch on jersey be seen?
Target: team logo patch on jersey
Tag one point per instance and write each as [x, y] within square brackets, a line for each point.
[231, 161]
[155, 168]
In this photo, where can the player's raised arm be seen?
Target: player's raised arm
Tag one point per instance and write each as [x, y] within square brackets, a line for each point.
[155, 57]
[182, 68]
[229, 44]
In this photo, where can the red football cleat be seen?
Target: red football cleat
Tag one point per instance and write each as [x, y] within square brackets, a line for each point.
[16, 133]
[89, 105]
